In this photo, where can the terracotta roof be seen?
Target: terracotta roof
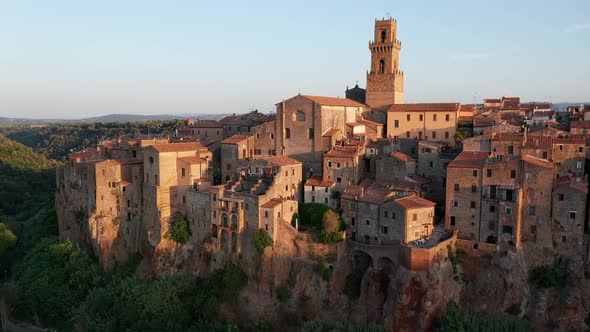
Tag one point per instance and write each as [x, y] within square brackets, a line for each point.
[373, 192]
[342, 152]
[543, 113]
[318, 181]
[570, 181]
[282, 160]
[330, 132]
[424, 107]
[432, 145]
[235, 139]
[469, 159]
[585, 124]
[193, 160]
[418, 179]
[370, 122]
[331, 101]
[467, 108]
[84, 153]
[510, 102]
[272, 203]
[414, 202]
[537, 161]
[482, 121]
[492, 101]
[123, 183]
[178, 147]
[401, 156]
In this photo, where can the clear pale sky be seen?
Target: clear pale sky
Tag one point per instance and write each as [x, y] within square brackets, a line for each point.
[68, 59]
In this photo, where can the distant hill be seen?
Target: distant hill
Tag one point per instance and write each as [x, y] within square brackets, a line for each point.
[109, 118]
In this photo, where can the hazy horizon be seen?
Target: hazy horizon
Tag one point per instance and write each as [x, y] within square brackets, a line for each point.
[70, 60]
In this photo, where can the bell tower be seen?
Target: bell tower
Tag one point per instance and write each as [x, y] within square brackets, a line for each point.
[385, 82]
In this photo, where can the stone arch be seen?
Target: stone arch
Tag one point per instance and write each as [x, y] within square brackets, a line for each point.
[361, 260]
[383, 36]
[382, 66]
[385, 264]
[214, 231]
[224, 221]
[299, 116]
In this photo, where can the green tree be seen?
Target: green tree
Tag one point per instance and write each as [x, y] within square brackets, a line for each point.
[7, 240]
[261, 240]
[331, 224]
[179, 230]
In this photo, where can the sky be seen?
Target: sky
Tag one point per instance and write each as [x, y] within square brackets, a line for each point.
[73, 59]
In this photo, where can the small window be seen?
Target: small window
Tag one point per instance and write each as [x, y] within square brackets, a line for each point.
[572, 215]
[311, 133]
[473, 204]
[430, 164]
[532, 210]
[183, 171]
[367, 222]
[563, 239]
[560, 147]
[434, 117]
[506, 229]
[508, 211]
[151, 160]
[386, 214]
[287, 133]
[452, 220]
[393, 215]
[489, 171]
[434, 134]
[456, 187]
[578, 164]
[421, 117]
[352, 221]
[473, 188]
[581, 149]
[491, 225]
[396, 123]
[455, 204]
[446, 134]
[266, 214]
[513, 174]
[561, 197]
[407, 134]
[414, 217]
[384, 229]
[339, 180]
[184, 199]
[533, 229]
[408, 117]
[492, 208]
[447, 117]
[474, 172]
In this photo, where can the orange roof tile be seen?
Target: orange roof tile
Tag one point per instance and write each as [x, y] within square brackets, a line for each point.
[331, 101]
[537, 161]
[318, 181]
[128, 161]
[572, 182]
[178, 147]
[235, 139]
[414, 202]
[272, 203]
[282, 160]
[469, 159]
[585, 124]
[424, 107]
[401, 156]
[331, 132]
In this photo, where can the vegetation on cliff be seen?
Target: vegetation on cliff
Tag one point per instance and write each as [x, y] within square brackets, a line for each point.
[261, 240]
[179, 230]
[55, 141]
[454, 319]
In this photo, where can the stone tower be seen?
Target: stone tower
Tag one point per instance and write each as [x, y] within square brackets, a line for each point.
[385, 82]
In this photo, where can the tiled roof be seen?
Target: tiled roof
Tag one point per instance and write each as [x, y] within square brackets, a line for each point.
[401, 156]
[510, 102]
[272, 203]
[467, 108]
[84, 153]
[207, 124]
[469, 159]
[318, 181]
[193, 160]
[331, 101]
[373, 192]
[128, 161]
[424, 107]
[235, 139]
[123, 183]
[178, 147]
[370, 122]
[330, 132]
[572, 182]
[537, 161]
[342, 152]
[282, 160]
[414, 202]
[418, 179]
[492, 101]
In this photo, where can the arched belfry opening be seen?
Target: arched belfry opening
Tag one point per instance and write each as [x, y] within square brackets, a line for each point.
[383, 35]
[382, 66]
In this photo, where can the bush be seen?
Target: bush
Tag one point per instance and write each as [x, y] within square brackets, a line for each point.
[261, 240]
[7, 240]
[312, 214]
[327, 274]
[544, 277]
[352, 286]
[179, 230]
[295, 217]
[514, 309]
[283, 294]
[455, 319]
[330, 237]
[331, 222]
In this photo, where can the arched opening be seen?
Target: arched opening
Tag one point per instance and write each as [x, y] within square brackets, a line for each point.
[385, 264]
[361, 260]
[382, 66]
[383, 35]
[214, 231]
[224, 222]
[299, 116]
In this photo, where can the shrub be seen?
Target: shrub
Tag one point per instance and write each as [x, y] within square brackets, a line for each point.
[295, 217]
[331, 222]
[544, 277]
[455, 319]
[514, 309]
[327, 274]
[261, 240]
[330, 237]
[179, 230]
[7, 240]
[283, 294]
[312, 214]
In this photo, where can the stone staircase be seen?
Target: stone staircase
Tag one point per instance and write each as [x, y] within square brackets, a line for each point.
[437, 233]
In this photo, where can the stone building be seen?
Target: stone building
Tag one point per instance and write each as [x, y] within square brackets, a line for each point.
[395, 166]
[318, 190]
[342, 164]
[385, 81]
[430, 122]
[236, 151]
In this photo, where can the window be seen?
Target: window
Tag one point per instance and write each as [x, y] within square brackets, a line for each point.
[434, 134]
[572, 215]
[408, 117]
[352, 221]
[339, 179]
[456, 187]
[396, 123]
[287, 133]
[561, 196]
[228, 166]
[452, 220]
[382, 66]
[434, 117]
[578, 164]
[184, 199]
[128, 203]
[446, 134]
[533, 229]
[383, 34]
[266, 214]
[338, 165]
[563, 239]
[447, 117]
[326, 200]
[507, 229]
[329, 164]
[489, 173]
[473, 188]
[455, 204]
[513, 174]
[527, 176]
[492, 208]
[393, 215]
[421, 117]
[310, 133]
[414, 217]
[407, 134]
[326, 189]
[544, 154]
[367, 222]
[508, 211]
[156, 179]
[560, 147]
[431, 164]
[474, 172]
[386, 214]
[272, 136]
[511, 149]
[491, 225]
[581, 149]
[384, 229]
[151, 160]
[532, 210]
[313, 199]
[473, 204]
[299, 116]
